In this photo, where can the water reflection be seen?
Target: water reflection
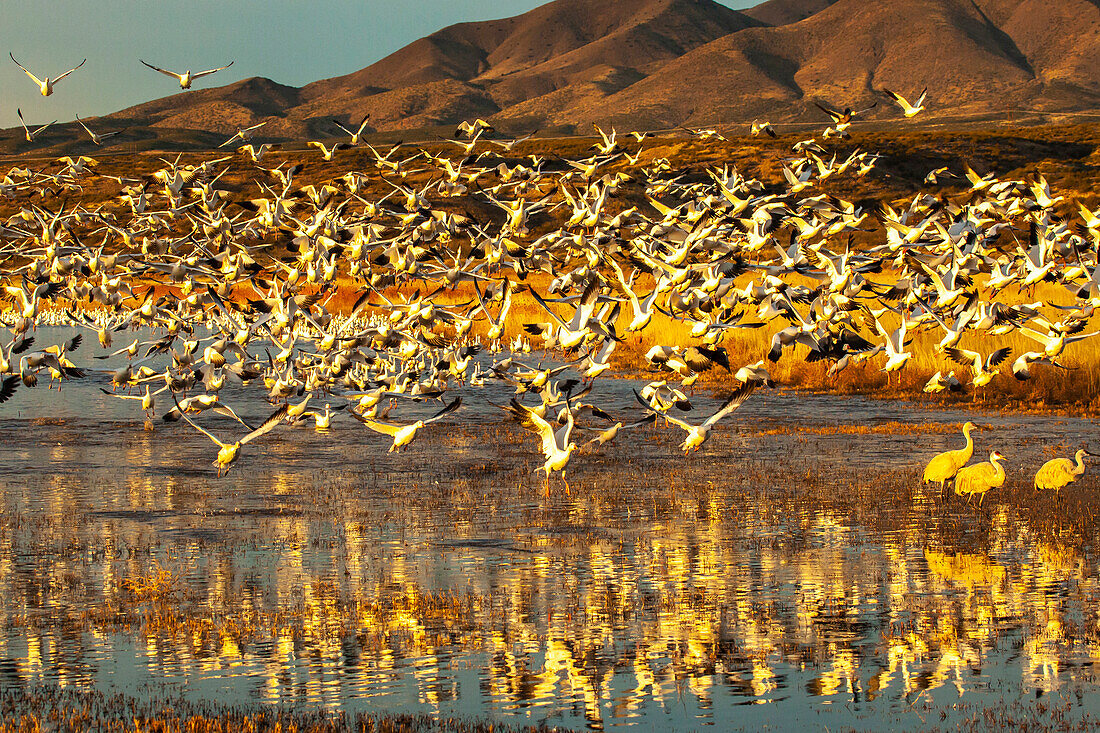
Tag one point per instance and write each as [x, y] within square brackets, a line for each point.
[761, 581]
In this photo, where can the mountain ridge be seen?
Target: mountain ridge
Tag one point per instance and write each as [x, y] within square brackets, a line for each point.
[659, 63]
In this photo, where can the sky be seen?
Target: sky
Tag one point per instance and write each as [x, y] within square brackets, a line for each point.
[290, 41]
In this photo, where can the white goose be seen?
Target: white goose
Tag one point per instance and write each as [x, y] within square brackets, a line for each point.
[97, 138]
[46, 85]
[556, 443]
[403, 434]
[910, 110]
[228, 453]
[698, 434]
[27, 131]
[358, 132]
[186, 78]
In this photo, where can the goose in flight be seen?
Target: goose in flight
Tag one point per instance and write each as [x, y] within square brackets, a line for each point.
[762, 128]
[473, 129]
[27, 131]
[96, 138]
[358, 132]
[910, 110]
[403, 434]
[556, 443]
[228, 453]
[186, 78]
[842, 120]
[244, 134]
[46, 85]
[698, 434]
[983, 371]
[328, 153]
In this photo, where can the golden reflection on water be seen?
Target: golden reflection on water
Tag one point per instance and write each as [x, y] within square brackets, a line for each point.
[296, 588]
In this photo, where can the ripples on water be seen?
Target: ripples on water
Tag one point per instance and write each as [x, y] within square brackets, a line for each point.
[788, 574]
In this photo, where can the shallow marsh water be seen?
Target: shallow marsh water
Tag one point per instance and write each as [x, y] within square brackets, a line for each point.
[793, 572]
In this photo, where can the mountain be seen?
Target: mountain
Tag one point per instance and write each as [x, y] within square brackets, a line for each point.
[572, 52]
[660, 63]
[785, 12]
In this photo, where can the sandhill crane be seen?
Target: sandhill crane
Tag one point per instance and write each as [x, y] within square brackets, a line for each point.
[46, 85]
[1057, 472]
[945, 466]
[980, 478]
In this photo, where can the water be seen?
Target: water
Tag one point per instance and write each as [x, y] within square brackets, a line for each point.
[790, 573]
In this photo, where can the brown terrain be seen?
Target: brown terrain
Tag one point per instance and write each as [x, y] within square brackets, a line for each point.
[656, 64]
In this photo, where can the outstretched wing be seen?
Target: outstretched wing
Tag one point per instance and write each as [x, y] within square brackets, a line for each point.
[455, 404]
[268, 425]
[386, 428]
[69, 71]
[735, 400]
[34, 78]
[998, 356]
[8, 387]
[166, 72]
[208, 72]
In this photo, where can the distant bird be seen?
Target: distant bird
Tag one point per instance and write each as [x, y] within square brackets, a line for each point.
[186, 78]
[842, 120]
[46, 85]
[1058, 472]
[762, 128]
[945, 466]
[608, 434]
[328, 153]
[27, 131]
[244, 134]
[980, 478]
[97, 138]
[910, 110]
[473, 129]
[228, 453]
[403, 434]
[358, 132]
[934, 176]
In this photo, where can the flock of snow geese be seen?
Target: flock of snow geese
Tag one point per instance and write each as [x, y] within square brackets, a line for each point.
[224, 288]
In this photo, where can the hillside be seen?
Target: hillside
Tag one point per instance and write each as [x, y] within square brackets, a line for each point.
[661, 63]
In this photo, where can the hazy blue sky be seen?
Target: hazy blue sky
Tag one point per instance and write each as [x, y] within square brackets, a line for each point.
[291, 41]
